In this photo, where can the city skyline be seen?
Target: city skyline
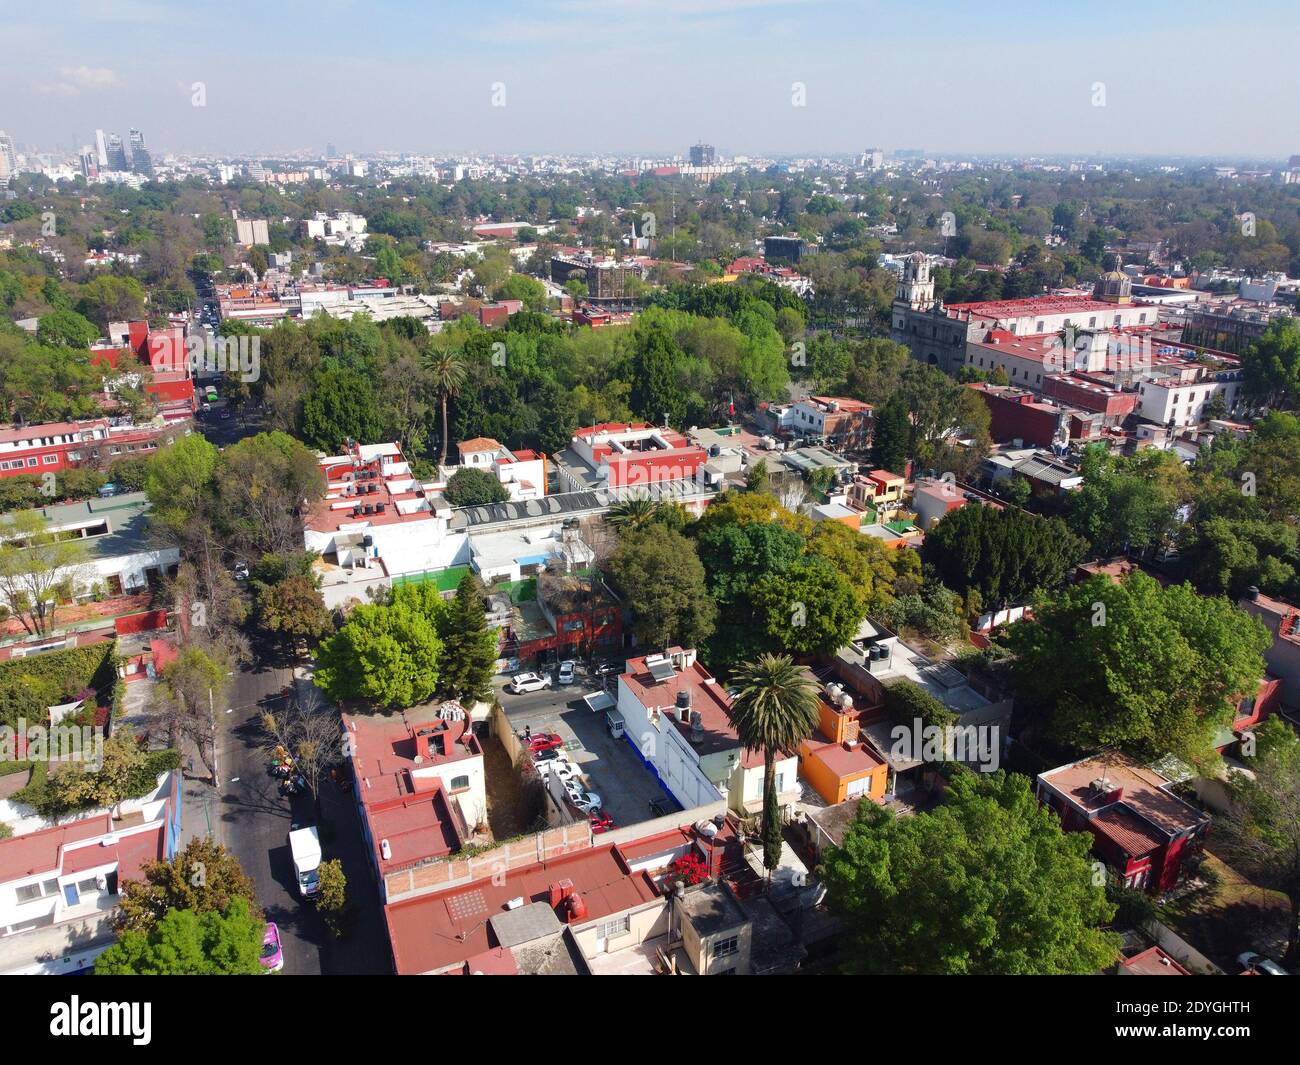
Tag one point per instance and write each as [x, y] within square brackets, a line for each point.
[756, 77]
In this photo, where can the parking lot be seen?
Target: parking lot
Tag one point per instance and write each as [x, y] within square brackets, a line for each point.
[613, 769]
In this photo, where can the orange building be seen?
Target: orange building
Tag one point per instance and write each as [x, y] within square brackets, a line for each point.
[835, 760]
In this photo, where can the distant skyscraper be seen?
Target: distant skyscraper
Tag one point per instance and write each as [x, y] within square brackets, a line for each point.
[115, 154]
[101, 149]
[8, 160]
[89, 163]
[141, 162]
[331, 152]
[702, 155]
[873, 159]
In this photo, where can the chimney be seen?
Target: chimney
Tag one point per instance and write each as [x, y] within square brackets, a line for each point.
[560, 891]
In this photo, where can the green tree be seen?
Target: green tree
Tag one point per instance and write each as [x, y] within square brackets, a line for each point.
[340, 404]
[658, 574]
[66, 329]
[891, 439]
[180, 479]
[809, 608]
[332, 902]
[38, 568]
[774, 711]
[202, 878]
[264, 484]
[1147, 669]
[1007, 555]
[986, 884]
[1271, 366]
[185, 943]
[469, 646]
[387, 655]
[292, 607]
[1127, 504]
[469, 487]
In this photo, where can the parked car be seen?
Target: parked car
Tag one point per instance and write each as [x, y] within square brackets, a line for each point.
[560, 767]
[549, 754]
[528, 682]
[241, 571]
[584, 800]
[568, 671]
[600, 821]
[544, 741]
[272, 959]
[1257, 963]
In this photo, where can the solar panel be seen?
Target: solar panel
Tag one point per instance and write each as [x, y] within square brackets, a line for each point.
[662, 671]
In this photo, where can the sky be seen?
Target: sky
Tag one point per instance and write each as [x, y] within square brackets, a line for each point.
[651, 77]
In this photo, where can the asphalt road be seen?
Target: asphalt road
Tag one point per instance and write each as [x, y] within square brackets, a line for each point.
[253, 821]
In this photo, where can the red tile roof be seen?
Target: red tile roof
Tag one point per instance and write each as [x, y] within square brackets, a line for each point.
[436, 931]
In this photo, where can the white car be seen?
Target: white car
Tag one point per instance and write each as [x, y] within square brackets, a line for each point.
[528, 682]
[561, 767]
[1257, 963]
[583, 799]
[568, 671]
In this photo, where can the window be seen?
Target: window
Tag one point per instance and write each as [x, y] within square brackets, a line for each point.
[459, 783]
[615, 928]
[31, 892]
[725, 948]
[31, 461]
[50, 460]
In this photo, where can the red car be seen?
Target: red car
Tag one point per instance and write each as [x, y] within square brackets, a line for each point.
[544, 741]
[600, 822]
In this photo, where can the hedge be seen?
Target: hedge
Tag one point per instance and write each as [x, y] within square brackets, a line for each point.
[906, 700]
[29, 686]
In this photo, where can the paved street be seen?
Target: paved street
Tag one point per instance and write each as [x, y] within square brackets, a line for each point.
[253, 821]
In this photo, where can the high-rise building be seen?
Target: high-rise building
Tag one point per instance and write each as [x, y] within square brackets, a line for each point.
[8, 160]
[101, 149]
[115, 154]
[89, 163]
[331, 152]
[872, 159]
[703, 155]
[141, 162]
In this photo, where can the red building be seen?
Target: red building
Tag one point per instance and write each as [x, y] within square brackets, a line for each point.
[1141, 829]
[57, 446]
[1074, 390]
[1017, 414]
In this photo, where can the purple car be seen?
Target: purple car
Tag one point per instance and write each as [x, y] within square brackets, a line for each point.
[272, 957]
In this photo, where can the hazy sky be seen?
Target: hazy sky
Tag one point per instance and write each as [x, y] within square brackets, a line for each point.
[653, 76]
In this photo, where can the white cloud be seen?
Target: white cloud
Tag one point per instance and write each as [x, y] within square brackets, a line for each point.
[74, 80]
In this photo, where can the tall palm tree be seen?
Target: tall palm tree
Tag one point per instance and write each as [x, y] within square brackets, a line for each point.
[774, 711]
[448, 372]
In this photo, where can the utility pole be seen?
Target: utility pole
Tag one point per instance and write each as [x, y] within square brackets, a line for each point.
[212, 719]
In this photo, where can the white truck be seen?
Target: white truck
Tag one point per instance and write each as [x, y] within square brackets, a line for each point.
[304, 845]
